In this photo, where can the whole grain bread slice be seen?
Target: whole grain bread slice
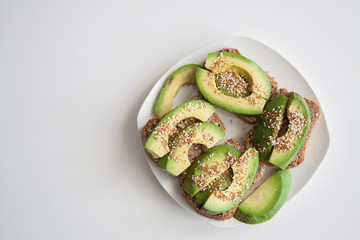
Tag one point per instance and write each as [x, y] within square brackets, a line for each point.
[195, 149]
[231, 212]
[315, 115]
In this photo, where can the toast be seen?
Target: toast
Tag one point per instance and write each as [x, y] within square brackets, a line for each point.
[315, 115]
[231, 212]
[195, 149]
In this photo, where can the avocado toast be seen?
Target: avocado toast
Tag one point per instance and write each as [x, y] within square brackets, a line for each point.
[228, 214]
[315, 115]
[236, 84]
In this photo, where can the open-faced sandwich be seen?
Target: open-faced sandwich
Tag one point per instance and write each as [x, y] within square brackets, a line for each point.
[215, 178]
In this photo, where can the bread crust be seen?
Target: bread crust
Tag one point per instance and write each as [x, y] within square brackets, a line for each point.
[230, 50]
[149, 126]
[229, 214]
[315, 113]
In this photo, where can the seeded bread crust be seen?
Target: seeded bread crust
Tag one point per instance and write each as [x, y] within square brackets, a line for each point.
[230, 50]
[229, 214]
[195, 149]
[315, 113]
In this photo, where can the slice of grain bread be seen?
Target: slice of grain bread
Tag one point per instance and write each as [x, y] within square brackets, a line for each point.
[195, 149]
[230, 213]
[315, 115]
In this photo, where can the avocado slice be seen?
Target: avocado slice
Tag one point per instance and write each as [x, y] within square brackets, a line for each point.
[208, 167]
[183, 75]
[177, 160]
[268, 126]
[267, 200]
[244, 170]
[219, 184]
[287, 146]
[218, 62]
[252, 104]
[157, 142]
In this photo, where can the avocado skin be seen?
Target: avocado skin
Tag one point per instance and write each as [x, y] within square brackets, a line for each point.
[164, 103]
[202, 196]
[247, 217]
[262, 133]
[217, 153]
[162, 162]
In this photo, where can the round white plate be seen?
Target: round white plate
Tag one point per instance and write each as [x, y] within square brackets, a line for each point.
[287, 77]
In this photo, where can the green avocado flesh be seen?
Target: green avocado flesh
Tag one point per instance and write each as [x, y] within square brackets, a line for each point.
[177, 160]
[287, 146]
[157, 142]
[268, 126]
[220, 62]
[219, 184]
[208, 167]
[244, 170]
[267, 200]
[252, 104]
[183, 75]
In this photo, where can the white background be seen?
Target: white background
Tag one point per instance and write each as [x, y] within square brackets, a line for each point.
[73, 75]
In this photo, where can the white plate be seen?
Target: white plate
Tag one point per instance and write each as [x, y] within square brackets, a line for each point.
[287, 77]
